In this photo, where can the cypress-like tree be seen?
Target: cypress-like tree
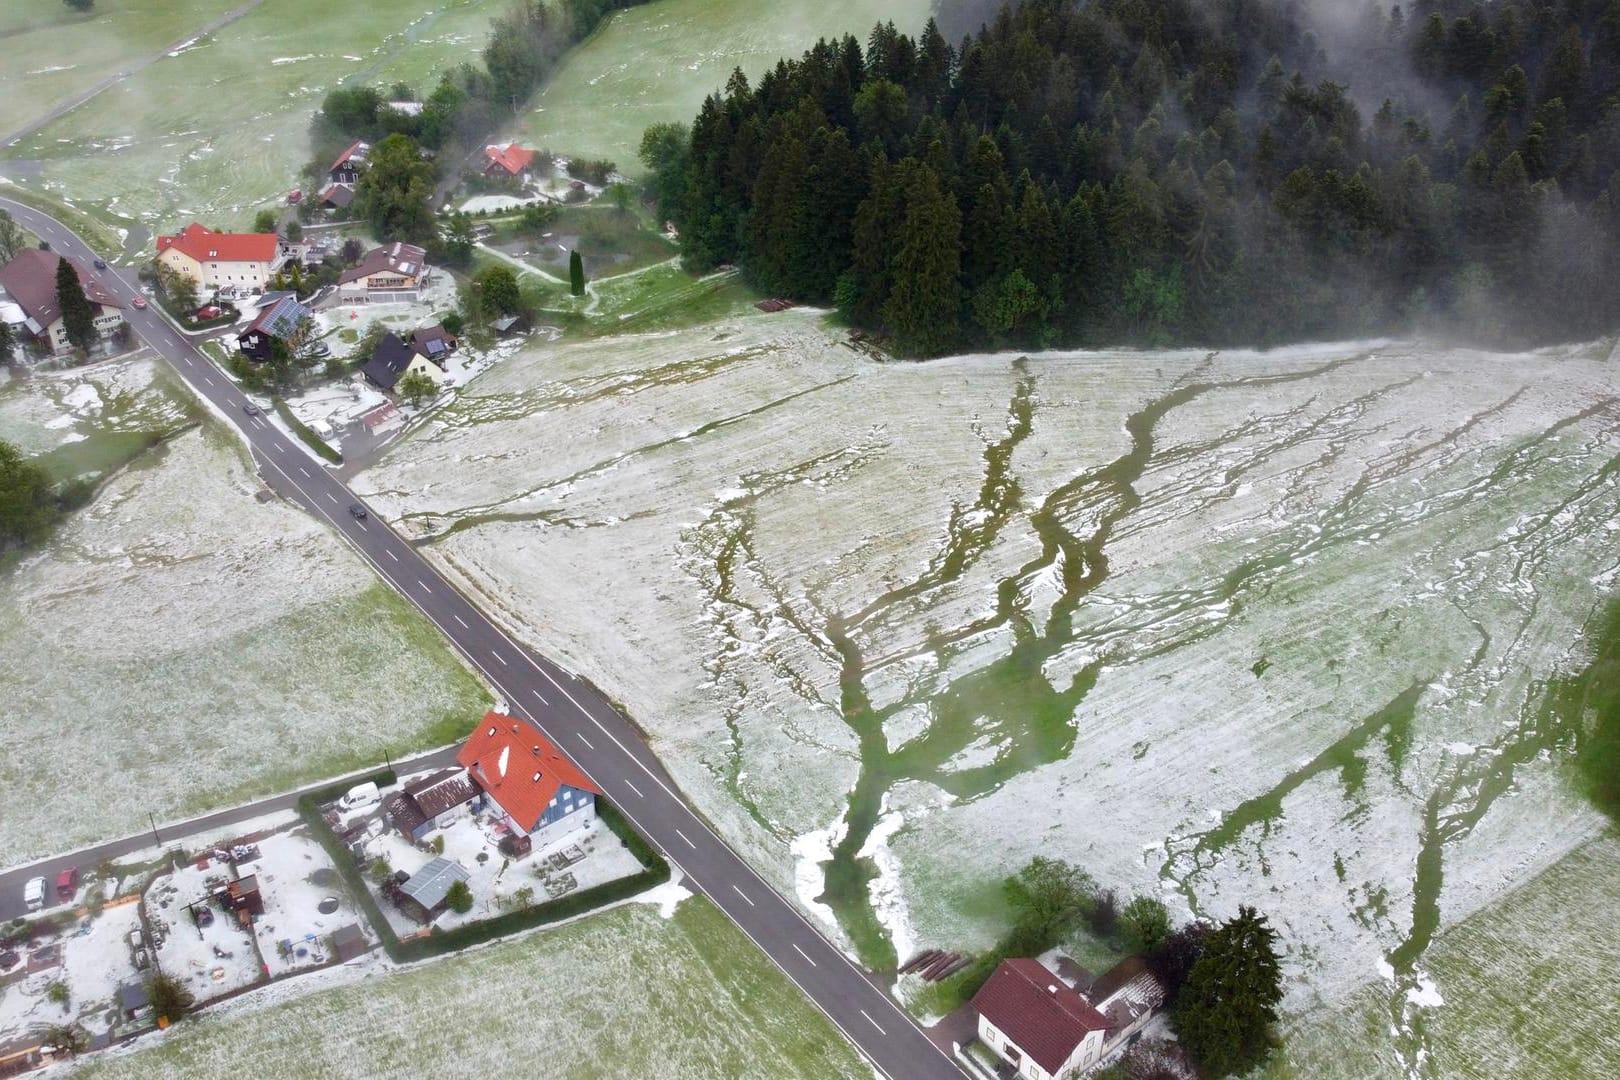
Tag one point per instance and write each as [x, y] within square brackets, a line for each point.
[925, 302]
[576, 274]
[78, 318]
[1226, 1010]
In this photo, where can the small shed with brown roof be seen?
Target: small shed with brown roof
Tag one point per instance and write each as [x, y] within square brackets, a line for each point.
[415, 809]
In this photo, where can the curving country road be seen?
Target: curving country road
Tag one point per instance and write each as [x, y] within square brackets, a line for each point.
[569, 712]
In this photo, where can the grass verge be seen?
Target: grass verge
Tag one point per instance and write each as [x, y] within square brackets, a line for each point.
[311, 440]
[102, 239]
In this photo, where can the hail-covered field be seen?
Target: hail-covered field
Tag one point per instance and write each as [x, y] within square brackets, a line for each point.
[657, 62]
[1266, 628]
[218, 128]
[624, 993]
[181, 643]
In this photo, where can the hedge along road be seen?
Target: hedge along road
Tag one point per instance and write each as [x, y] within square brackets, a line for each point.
[570, 713]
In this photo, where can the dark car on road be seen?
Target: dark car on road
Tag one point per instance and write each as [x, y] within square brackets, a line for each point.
[100, 263]
[358, 511]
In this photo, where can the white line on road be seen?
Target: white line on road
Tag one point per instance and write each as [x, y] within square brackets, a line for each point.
[635, 789]
[462, 621]
[424, 584]
[498, 656]
[304, 471]
[874, 1023]
[584, 740]
[361, 525]
[688, 839]
[331, 496]
[539, 695]
[806, 955]
[210, 382]
[742, 894]
[391, 554]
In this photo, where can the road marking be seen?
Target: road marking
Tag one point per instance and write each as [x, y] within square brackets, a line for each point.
[874, 1023]
[635, 789]
[304, 471]
[742, 894]
[688, 839]
[498, 656]
[331, 496]
[539, 695]
[584, 740]
[424, 584]
[361, 524]
[391, 554]
[459, 619]
[806, 955]
[207, 379]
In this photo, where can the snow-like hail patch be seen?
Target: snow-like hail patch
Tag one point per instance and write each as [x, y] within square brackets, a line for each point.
[666, 897]
[292, 59]
[888, 901]
[500, 766]
[810, 851]
[1425, 995]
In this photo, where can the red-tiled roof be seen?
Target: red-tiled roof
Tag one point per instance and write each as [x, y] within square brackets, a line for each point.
[206, 245]
[1032, 1007]
[519, 768]
[357, 151]
[30, 278]
[509, 156]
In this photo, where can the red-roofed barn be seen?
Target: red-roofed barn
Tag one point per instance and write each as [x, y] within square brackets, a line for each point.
[544, 795]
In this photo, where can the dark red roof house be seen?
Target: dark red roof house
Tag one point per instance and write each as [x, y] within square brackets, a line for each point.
[528, 778]
[1035, 1022]
[507, 159]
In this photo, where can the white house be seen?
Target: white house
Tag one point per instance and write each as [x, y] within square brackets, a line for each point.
[1048, 1030]
[30, 281]
[243, 261]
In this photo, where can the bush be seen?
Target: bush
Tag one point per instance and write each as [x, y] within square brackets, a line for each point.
[169, 997]
[460, 898]
[57, 994]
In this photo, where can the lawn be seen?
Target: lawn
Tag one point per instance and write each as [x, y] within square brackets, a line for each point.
[657, 62]
[183, 643]
[609, 240]
[624, 993]
[218, 130]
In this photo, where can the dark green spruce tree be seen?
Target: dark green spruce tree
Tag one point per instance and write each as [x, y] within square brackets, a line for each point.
[1226, 1010]
[576, 274]
[78, 317]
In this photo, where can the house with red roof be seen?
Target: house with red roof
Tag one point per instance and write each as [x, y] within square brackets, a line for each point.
[349, 164]
[1046, 1029]
[543, 794]
[219, 260]
[29, 280]
[507, 160]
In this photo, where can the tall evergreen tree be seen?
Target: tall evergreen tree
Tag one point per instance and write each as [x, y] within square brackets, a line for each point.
[1226, 1010]
[924, 303]
[576, 274]
[78, 317]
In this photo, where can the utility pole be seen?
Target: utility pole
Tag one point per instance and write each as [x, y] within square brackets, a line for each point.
[156, 839]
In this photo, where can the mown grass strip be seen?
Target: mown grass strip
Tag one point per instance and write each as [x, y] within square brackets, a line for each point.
[311, 440]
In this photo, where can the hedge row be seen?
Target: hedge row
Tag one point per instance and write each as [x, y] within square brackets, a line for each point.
[311, 440]
[655, 871]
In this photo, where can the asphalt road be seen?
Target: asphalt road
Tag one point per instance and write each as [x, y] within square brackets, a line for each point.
[568, 711]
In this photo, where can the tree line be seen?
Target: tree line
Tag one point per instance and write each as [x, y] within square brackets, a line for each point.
[1171, 170]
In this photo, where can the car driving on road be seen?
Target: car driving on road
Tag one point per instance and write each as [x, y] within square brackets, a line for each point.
[100, 263]
[251, 409]
[139, 302]
[358, 511]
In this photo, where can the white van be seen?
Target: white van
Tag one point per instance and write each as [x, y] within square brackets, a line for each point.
[361, 795]
[34, 893]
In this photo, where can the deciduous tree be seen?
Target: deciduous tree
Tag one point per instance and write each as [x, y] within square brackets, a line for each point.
[395, 193]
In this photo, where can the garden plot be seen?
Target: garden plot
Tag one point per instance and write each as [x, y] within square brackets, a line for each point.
[1238, 628]
[584, 859]
[658, 62]
[207, 951]
[95, 960]
[304, 902]
[219, 128]
[187, 644]
[618, 987]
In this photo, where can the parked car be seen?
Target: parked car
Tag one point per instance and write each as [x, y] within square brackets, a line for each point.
[67, 883]
[316, 349]
[34, 894]
[211, 311]
[139, 302]
[100, 263]
[361, 794]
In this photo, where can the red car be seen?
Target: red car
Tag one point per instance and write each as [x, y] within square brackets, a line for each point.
[209, 312]
[139, 302]
[67, 883]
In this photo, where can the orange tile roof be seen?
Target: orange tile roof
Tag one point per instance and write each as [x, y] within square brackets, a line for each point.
[511, 157]
[206, 245]
[519, 768]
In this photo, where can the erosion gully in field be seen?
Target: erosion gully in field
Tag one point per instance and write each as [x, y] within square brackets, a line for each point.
[1258, 628]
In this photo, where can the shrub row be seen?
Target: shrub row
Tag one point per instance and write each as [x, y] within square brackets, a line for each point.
[655, 871]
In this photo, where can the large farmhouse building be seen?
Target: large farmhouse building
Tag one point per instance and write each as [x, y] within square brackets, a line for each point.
[393, 274]
[1047, 1029]
[217, 260]
[29, 280]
